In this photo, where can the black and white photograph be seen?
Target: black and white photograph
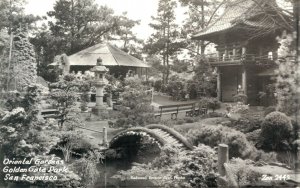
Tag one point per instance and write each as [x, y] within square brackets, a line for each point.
[149, 93]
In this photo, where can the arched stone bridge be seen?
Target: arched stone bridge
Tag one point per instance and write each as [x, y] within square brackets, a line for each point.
[160, 133]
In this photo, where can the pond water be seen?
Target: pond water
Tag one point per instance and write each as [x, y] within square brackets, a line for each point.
[109, 169]
[133, 149]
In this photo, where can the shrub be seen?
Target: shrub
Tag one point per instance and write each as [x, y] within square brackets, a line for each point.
[239, 174]
[158, 85]
[196, 166]
[203, 103]
[214, 135]
[135, 105]
[240, 108]
[240, 98]
[276, 129]
[192, 89]
[246, 123]
[175, 88]
[214, 104]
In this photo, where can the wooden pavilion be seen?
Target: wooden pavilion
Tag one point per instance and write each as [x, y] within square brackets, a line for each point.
[117, 61]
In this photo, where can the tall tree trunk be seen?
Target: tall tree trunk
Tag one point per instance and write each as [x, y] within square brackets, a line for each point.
[167, 50]
[72, 27]
[164, 59]
[202, 46]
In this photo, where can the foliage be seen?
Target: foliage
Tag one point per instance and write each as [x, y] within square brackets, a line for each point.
[64, 96]
[73, 143]
[21, 127]
[287, 82]
[65, 179]
[240, 98]
[240, 173]
[23, 65]
[79, 24]
[163, 42]
[236, 110]
[192, 88]
[179, 66]
[213, 104]
[175, 88]
[247, 123]
[86, 168]
[205, 78]
[199, 15]
[75, 25]
[158, 85]
[197, 168]
[214, 135]
[135, 104]
[4, 54]
[276, 130]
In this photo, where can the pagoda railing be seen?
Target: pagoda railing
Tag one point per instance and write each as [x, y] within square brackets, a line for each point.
[238, 59]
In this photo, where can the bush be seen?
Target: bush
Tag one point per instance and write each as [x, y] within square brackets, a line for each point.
[135, 105]
[175, 88]
[240, 98]
[203, 103]
[214, 135]
[196, 166]
[276, 130]
[246, 123]
[214, 104]
[158, 85]
[192, 89]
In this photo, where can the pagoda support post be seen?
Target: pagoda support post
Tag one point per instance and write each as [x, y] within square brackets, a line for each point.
[244, 80]
[219, 92]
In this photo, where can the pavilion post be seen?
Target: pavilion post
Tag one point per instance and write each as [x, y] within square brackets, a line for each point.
[244, 80]
[219, 83]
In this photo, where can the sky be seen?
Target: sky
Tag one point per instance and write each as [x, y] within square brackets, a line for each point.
[136, 9]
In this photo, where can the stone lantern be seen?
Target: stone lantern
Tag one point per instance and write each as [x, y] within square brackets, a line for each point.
[99, 82]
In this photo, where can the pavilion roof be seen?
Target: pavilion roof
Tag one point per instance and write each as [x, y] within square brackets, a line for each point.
[110, 55]
[240, 13]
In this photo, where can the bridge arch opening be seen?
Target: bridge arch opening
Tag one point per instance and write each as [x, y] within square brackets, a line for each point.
[133, 147]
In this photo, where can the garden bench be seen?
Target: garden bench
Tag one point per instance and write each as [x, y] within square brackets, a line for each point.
[188, 108]
[49, 113]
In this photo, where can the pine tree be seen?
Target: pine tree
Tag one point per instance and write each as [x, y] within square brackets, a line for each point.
[165, 41]
[200, 14]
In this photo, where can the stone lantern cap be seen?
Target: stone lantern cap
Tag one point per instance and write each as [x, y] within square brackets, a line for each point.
[100, 68]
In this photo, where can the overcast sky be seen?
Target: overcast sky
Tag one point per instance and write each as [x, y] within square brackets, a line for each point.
[136, 9]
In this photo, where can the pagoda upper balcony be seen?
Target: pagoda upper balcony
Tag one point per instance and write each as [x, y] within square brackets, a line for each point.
[253, 59]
